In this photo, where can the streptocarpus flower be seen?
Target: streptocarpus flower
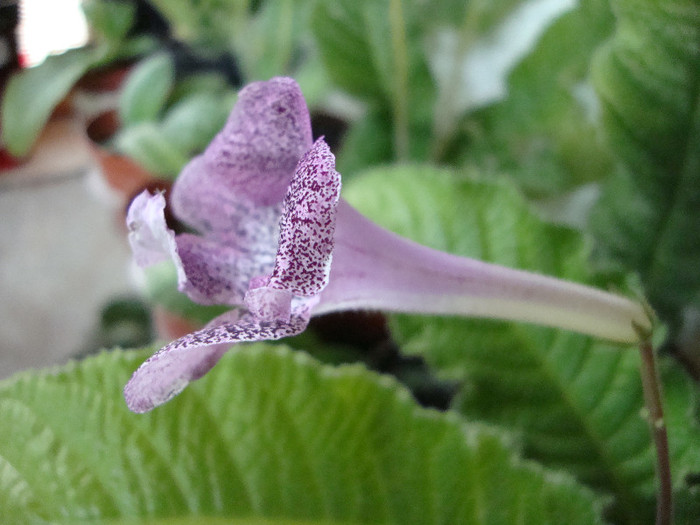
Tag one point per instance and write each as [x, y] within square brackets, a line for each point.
[277, 243]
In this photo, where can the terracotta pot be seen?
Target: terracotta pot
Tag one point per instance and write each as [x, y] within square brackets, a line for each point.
[8, 162]
[121, 173]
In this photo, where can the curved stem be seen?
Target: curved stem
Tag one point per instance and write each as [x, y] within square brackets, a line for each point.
[652, 397]
[376, 269]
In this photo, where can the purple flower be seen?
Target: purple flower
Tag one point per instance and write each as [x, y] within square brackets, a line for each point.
[277, 243]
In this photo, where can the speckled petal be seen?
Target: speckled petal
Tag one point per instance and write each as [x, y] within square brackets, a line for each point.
[167, 372]
[303, 261]
[150, 238]
[216, 273]
[267, 133]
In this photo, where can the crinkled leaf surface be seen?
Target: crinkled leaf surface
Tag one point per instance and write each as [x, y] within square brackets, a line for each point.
[648, 80]
[270, 433]
[32, 94]
[576, 402]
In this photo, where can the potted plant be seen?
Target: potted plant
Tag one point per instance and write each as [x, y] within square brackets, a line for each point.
[32, 95]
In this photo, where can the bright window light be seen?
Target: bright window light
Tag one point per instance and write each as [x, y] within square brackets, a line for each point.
[49, 27]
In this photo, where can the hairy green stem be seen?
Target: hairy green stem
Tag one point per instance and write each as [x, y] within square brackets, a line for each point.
[652, 397]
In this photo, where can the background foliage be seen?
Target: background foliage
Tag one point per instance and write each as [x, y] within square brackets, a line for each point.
[572, 152]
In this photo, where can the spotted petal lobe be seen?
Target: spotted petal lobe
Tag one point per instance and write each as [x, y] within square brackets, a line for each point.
[307, 227]
[167, 372]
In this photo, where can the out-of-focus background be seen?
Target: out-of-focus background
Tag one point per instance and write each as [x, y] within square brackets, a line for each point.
[63, 255]
[110, 88]
[104, 98]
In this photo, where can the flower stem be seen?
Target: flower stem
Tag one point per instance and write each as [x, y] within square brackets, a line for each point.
[652, 397]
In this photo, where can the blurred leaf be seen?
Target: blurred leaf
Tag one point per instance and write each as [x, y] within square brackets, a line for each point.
[108, 20]
[209, 24]
[270, 436]
[147, 89]
[545, 132]
[272, 43]
[374, 50]
[193, 122]
[148, 146]
[575, 401]
[199, 82]
[366, 143]
[472, 55]
[648, 79]
[32, 95]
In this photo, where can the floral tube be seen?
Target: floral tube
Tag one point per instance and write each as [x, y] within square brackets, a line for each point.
[276, 243]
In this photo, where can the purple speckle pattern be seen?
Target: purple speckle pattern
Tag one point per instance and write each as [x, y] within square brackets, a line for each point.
[217, 273]
[167, 372]
[262, 199]
[303, 261]
[267, 133]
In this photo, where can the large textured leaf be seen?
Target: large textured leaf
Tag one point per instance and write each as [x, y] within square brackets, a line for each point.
[648, 79]
[270, 436]
[32, 94]
[576, 402]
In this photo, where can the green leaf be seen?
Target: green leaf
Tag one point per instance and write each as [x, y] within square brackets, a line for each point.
[366, 143]
[545, 132]
[574, 401]
[209, 24]
[271, 43]
[270, 435]
[194, 121]
[146, 90]
[374, 49]
[151, 148]
[648, 80]
[110, 21]
[32, 95]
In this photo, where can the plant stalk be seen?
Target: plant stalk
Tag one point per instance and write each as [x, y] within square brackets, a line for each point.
[652, 397]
